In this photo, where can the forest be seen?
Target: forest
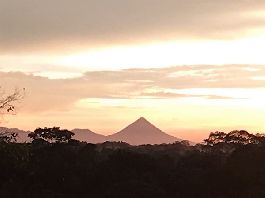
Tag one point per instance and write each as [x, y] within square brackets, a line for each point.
[54, 165]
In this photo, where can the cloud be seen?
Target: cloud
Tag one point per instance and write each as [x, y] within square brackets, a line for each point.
[31, 24]
[166, 95]
[182, 77]
[43, 94]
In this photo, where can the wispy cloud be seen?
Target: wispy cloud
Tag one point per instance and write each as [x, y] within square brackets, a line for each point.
[51, 94]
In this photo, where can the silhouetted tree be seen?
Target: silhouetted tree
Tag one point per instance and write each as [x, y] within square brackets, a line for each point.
[8, 137]
[7, 101]
[6, 106]
[239, 137]
[185, 142]
[258, 138]
[215, 138]
[234, 137]
[51, 135]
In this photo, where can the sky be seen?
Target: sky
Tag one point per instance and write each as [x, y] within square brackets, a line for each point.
[188, 66]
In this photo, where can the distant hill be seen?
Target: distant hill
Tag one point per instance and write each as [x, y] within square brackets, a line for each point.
[22, 135]
[142, 132]
[86, 135]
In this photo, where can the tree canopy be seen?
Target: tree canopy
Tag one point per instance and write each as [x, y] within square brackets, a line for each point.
[52, 135]
[235, 137]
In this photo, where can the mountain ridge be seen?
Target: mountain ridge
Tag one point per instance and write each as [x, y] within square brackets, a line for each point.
[87, 135]
[139, 132]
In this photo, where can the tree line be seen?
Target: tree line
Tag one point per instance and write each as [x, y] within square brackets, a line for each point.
[54, 165]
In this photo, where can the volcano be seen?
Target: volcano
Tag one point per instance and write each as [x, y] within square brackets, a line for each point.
[142, 132]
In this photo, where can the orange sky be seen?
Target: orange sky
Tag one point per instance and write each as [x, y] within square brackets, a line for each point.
[190, 67]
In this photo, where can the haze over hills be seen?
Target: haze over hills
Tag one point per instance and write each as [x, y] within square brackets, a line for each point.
[139, 132]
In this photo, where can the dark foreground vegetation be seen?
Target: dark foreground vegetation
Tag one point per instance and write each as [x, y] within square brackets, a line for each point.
[54, 165]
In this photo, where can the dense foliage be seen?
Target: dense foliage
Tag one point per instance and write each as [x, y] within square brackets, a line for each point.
[217, 169]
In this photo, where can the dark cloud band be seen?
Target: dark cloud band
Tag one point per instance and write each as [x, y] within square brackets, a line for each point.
[33, 24]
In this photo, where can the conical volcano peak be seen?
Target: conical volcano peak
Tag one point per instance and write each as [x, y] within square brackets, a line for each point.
[142, 126]
[142, 132]
[142, 119]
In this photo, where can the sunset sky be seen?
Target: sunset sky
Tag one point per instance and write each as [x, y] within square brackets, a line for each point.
[188, 66]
